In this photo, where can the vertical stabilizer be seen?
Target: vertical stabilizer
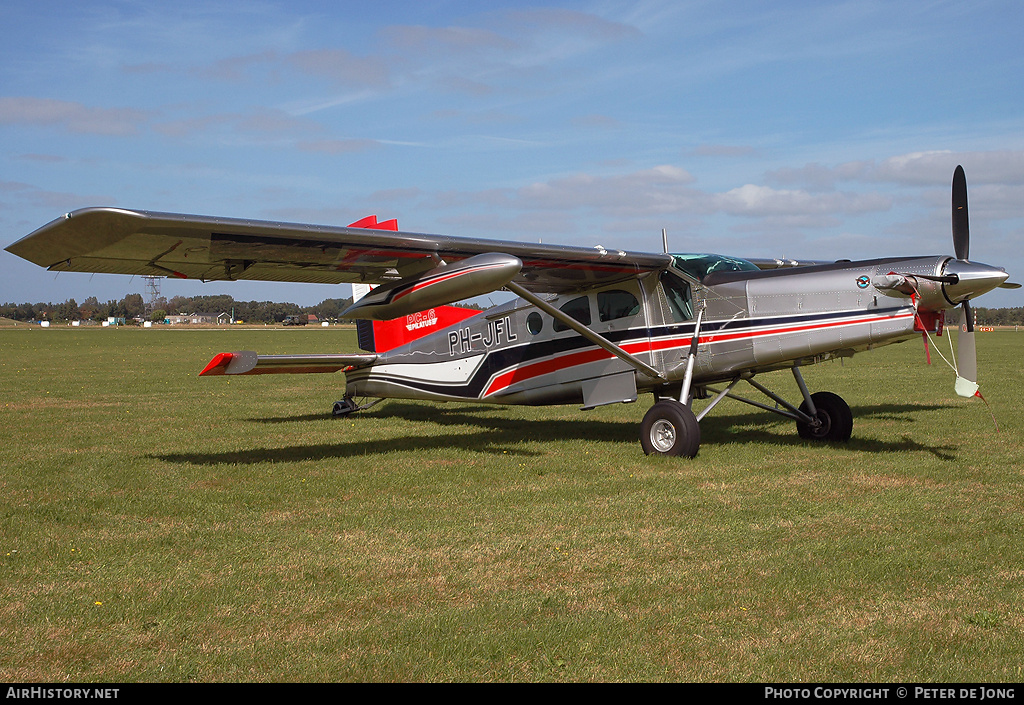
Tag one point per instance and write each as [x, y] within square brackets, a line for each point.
[364, 329]
[381, 336]
[405, 329]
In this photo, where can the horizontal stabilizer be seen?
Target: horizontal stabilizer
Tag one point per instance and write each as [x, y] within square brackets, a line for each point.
[246, 362]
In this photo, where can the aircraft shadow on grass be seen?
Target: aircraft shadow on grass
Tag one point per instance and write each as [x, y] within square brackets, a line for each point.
[488, 429]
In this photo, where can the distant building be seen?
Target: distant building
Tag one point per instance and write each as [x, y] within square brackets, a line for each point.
[200, 318]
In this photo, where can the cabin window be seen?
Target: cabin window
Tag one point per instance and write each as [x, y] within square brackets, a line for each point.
[615, 304]
[578, 308]
[534, 323]
[677, 292]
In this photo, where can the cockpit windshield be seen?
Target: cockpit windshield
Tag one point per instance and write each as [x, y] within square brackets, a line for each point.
[699, 266]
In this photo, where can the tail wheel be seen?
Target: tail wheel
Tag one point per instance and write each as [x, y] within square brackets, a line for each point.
[670, 428]
[834, 419]
[345, 407]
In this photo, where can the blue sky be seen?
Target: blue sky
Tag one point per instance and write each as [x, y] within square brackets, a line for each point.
[819, 130]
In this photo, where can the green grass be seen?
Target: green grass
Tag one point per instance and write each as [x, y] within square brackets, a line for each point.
[155, 526]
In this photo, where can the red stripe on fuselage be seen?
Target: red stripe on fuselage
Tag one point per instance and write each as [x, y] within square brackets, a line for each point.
[543, 367]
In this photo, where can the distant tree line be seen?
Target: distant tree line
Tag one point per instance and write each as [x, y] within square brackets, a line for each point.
[133, 306]
[994, 316]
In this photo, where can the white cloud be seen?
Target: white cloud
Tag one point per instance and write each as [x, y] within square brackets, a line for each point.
[659, 189]
[341, 67]
[669, 191]
[449, 40]
[936, 167]
[723, 150]
[756, 201]
[930, 168]
[71, 116]
[337, 146]
[50, 200]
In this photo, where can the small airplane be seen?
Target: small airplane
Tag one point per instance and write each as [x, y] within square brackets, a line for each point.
[589, 326]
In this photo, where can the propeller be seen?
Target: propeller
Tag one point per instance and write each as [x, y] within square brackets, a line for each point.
[967, 357]
[959, 280]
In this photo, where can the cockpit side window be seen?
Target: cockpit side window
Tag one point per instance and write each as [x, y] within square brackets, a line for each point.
[615, 304]
[578, 308]
[680, 300]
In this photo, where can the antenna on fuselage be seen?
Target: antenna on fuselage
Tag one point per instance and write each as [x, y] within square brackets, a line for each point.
[664, 240]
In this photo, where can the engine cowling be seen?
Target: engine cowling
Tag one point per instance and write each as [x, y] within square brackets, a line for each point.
[951, 282]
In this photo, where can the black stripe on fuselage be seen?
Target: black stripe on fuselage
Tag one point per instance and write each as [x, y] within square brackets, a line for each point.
[498, 361]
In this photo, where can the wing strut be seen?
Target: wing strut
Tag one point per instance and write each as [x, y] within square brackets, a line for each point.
[584, 331]
[691, 358]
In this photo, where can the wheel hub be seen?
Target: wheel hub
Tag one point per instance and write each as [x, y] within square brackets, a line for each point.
[663, 435]
[821, 425]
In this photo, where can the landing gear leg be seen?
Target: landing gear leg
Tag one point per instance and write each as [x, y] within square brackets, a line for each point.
[822, 416]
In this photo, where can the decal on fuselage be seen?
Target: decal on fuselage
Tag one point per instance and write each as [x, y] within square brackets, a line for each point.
[498, 331]
[423, 319]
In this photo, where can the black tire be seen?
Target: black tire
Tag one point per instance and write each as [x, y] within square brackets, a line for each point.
[344, 407]
[834, 415]
[670, 428]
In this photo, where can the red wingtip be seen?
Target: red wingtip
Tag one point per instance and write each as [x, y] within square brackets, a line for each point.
[217, 365]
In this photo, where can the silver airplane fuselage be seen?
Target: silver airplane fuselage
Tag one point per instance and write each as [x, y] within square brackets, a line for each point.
[753, 321]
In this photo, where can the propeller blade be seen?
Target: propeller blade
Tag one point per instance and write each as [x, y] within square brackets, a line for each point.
[967, 362]
[961, 226]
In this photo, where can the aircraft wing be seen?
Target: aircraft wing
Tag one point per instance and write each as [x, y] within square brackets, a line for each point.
[119, 241]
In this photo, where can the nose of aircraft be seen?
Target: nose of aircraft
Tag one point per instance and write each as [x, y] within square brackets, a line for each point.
[973, 279]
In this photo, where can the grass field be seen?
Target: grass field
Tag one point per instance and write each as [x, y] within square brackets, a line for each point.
[160, 527]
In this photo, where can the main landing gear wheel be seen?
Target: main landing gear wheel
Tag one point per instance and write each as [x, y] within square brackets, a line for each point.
[834, 419]
[670, 428]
